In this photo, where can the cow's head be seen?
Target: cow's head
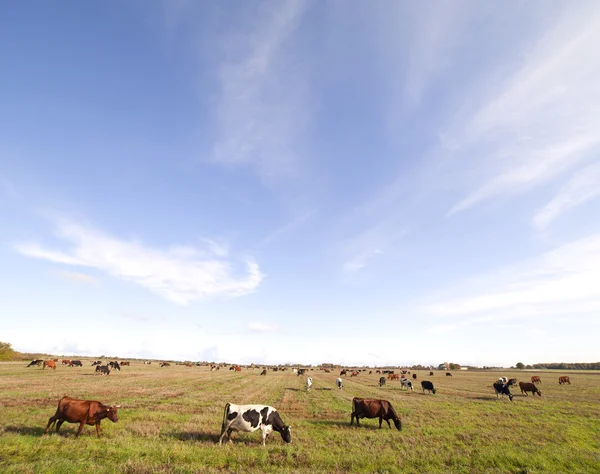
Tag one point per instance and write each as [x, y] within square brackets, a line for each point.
[398, 424]
[539, 392]
[286, 434]
[111, 413]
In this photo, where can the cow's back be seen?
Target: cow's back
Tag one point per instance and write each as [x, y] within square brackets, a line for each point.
[74, 410]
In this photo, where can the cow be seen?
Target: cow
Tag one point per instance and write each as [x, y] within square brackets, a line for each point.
[511, 382]
[165, 364]
[66, 362]
[393, 377]
[564, 379]
[250, 418]
[502, 389]
[115, 365]
[381, 381]
[407, 384]
[431, 374]
[237, 368]
[536, 379]
[125, 362]
[354, 374]
[427, 385]
[35, 362]
[187, 364]
[529, 387]
[502, 380]
[378, 371]
[147, 362]
[339, 383]
[448, 374]
[103, 369]
[75, 363]
[327, 371]
[264, 372]
[414, 376]
[84, 412]
[373, 408]
[300, 372]
[308, 384]
[49, 363]
[370, 372]
[99, 362]
[342, 372]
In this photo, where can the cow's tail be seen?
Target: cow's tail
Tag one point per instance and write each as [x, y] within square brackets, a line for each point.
[224, 424]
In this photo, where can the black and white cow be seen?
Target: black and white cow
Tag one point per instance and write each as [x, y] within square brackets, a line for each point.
[339, 383]
[103, 369]
[407, 384]
[308, 384]
[502, 389]
[381, 381]
[250, 418]
[115, 365]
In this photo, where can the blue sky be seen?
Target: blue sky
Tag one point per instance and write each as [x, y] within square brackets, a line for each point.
[299, 181]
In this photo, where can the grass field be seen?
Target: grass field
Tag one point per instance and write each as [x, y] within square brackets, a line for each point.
[171, 417]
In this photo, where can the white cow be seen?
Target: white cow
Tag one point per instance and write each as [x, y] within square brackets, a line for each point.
[339, 383]
[308, 384]
[407, 384]
[250, 418]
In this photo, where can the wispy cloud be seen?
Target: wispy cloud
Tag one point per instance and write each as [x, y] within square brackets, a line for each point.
[582, 187]
[560, 282]
[78, 277]
[543, 119]
[262, 108]
[294, 223]
[179, 274]
[256, 326]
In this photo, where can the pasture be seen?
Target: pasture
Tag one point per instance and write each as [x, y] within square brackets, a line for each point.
[171, 417]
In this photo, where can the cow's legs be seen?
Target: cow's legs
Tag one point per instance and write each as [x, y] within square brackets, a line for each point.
[98, 429]
[352, 419]
[223, 433]
[388, 422]
[59, 424]
[81, 425]
[51, 421]
[380, 420]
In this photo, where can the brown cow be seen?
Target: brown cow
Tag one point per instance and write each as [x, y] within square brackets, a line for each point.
[165, 364]
[237, 368]
[536, 379]
[448, 374]
[264, 372]
[393, 377]
[49, 363]
[66, 362]
[83, 412]
[187, 364]
[373, 408]
[354, 374]
[529, 387]
[125, 363]
[431, 373]
[564, 379]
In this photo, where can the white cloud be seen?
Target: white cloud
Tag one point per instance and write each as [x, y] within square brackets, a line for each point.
[261, 327]
[262, 108]
[560, 282]
[544, 118]
[79, 277]
[582, 187]
[179, 274]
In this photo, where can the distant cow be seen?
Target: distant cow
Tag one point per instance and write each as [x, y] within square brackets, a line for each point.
[187, 364]
[427, 385]
[83, 412]
[125, 363]
[76, 363]
[49, 363]
[511, 382]
[502, 380]
[165, 364]
[115, 365]
[264, 372]
[529, 387]
[414, 376]
[536, 379]
[407, 384]
[250, 418]
[381, 381]
[339, 383]
[35, 362]
[103, 369]
[147, 362]
[327, 371]
[564, 379]
[301, 372]
[99, 362]
[502, 389]
[66, 362]
[354, 374]
[431, 374]
[342, 372]
[393, 377]
[373, 408]
[378, 371]
[237, 368]
[308, 384]
[448, 374]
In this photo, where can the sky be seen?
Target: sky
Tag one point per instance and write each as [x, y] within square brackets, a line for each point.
[367, 183]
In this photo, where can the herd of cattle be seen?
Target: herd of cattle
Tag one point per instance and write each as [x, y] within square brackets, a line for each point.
[249, 418]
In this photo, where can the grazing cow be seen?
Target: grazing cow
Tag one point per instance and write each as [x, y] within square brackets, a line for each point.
[125, 363]
[99, 362]
[76, 363]
[339, 383]
[448, 374]
[564, 379]
[308, 384]
[414, 376]
[370, 372]
[212, 368]
[381, 381]
[354, 374]
[342, 372]
[300, 372]
[327, 371]
[237, 368]
[431, 374]
[103, 369]
[250, 418]
[373, 408]
[165, 364]
[115, 365]
[66, 362]
[529, 387]
[393, 377]
[511, 382]
[83, 412]
[378, 371]
[407, 384]
[264, 372]
[49, 363]
[427, 385]
[147, 362]
[35, 362]
[187, 364]
[502, 389]
[536, 379]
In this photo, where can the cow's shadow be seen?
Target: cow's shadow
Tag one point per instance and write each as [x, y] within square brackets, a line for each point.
[337, 423]
[25, 430]
[327, 389]
[193, 436]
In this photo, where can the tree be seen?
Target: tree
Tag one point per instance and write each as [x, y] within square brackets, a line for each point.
[6, 351]
[520, 365]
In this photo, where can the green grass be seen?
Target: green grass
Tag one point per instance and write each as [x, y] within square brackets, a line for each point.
[171, 418]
